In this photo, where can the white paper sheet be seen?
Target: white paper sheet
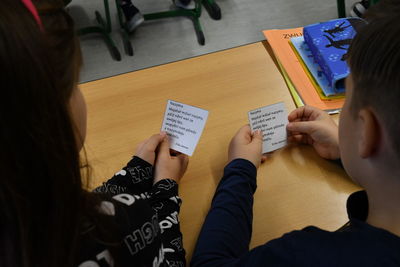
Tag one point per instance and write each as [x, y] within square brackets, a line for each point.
[184, 125]
[272, 120]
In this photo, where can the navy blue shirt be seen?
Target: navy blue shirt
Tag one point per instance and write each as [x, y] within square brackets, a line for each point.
[226, 233]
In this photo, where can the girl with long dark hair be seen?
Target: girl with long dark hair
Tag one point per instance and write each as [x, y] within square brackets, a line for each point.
[48, 218]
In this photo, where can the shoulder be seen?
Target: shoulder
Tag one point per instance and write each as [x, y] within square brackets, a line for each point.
[312, 246]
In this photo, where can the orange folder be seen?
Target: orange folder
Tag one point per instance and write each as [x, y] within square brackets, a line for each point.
[279, 41]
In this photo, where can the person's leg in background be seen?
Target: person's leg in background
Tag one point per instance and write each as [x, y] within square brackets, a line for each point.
[132, 15]
[186, 4]
[359, 8]
[134, 18]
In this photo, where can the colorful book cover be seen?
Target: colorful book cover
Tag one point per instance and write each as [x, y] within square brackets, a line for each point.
[279, 41]
[329, 42]
[314, 71]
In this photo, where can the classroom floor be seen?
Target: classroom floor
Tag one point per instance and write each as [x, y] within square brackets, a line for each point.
[167, 40]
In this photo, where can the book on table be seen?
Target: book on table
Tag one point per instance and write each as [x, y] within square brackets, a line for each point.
[328, 43]
[314, 72]
[307, 80]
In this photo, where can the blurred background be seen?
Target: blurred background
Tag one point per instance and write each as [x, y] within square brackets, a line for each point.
[166, 40]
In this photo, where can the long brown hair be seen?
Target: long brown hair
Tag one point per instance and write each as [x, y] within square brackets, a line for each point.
[42, 202]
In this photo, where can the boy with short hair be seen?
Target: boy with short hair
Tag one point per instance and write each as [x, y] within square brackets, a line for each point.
[368, 144]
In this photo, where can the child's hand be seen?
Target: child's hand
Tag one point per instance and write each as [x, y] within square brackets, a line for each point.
[315, 127]
[245, 145]
[146, 150]
[169, 165]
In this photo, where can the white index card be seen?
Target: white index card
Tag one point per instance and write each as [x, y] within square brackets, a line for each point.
[184, 125]
[272, 121]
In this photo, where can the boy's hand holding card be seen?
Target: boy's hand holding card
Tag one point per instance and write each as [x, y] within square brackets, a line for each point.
[272, 121]
[184, 125]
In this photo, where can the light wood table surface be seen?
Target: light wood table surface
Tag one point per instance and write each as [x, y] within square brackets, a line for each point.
[296, 188]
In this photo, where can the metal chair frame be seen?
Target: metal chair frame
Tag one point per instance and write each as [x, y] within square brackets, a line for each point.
[194, 14]
[103, 28]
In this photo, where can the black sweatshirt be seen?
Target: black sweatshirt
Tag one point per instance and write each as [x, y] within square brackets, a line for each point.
[226, 233]
[146, 218]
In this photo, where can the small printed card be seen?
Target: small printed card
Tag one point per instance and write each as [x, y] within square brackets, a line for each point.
[272, 121]
[184, 125]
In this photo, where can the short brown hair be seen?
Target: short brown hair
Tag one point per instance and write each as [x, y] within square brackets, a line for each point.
[374, 60]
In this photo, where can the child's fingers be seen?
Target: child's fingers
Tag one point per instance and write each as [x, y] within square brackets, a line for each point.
[153, 142]
[264, 158]
[243, 135]
[174, 153]
[290, 133]
[300, 138]
[303, 113]
[244, 130]
[164, 147]
[301, 127]
[140, 146]
[257, 137]
[297, 114]
[184, 159]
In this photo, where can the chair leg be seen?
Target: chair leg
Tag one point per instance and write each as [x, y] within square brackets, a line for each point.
[199, 32]
[124, 31]
[107, 38]
[104, 28]
[193, 14]
[341, 6]
[213, 9]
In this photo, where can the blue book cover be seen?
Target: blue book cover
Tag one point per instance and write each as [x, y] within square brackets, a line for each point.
[329, 42]
[305, 53]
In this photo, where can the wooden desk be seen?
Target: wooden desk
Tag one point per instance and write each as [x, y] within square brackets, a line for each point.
[296, 188]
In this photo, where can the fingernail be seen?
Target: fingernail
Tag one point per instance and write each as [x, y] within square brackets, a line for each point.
[258, 131]
[163, 133]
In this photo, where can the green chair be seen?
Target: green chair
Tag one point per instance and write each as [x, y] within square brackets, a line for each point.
[194, 14]
[104, 28]
[342, 7]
